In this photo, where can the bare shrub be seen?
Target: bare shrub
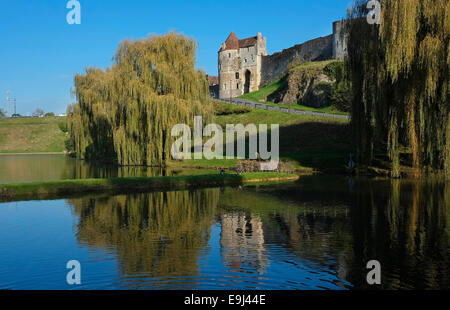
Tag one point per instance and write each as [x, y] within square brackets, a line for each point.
[246, 166]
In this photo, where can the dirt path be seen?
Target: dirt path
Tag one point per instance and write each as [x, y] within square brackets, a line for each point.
[248, 103]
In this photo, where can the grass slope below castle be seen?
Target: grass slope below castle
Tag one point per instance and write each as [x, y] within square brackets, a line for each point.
[312, 69]
[32, 135]
[308, 142]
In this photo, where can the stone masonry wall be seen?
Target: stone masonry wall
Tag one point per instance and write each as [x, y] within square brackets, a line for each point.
[235, 66]
[274, 66]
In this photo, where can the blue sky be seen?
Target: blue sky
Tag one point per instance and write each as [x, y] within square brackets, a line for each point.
[40, 53]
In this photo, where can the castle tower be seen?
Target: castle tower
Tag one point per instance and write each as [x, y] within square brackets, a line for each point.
[240, 65]
[340, 40]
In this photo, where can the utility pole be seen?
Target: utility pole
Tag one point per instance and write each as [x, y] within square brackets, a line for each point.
[15, 111]
[8, 98]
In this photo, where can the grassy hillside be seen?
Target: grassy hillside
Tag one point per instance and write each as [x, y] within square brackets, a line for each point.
[32, 135]
[311, 68]
[310, 142]
[261, 94]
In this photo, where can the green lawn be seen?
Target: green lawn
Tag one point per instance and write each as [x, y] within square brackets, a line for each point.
[265, 91]
[308, 142]
[313, 65]
[262, 116]
[32, 135]
[330, 109]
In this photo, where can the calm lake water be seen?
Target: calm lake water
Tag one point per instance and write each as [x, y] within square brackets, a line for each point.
[31, 168]
[317, 233]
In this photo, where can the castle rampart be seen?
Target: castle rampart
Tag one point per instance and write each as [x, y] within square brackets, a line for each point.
[244, 65]
[275, 65]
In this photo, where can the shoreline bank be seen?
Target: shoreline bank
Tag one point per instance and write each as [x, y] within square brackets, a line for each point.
[33, 153]
[62, 188]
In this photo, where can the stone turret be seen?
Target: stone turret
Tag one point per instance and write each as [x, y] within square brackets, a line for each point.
[339, 40]
[240, 65]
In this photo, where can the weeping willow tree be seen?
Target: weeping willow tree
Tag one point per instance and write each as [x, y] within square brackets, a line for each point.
[127, 112]
[400, 75]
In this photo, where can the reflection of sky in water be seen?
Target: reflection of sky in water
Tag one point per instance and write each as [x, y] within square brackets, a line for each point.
[37, 240]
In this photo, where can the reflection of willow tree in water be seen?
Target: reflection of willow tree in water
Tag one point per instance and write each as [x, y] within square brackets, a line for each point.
[407, 230]
[85, 170]
[35, 168]
[57, 167]
[159, 234]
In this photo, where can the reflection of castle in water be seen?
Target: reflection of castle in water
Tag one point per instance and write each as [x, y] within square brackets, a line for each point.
[242, 242]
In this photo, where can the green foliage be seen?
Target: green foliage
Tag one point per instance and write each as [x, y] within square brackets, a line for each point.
[127, 112]
[341, 92]
[227, 109]
[400, 79]
[49, 114]
[335, 70]
[63, 126]
[69, 146]
[2, 114]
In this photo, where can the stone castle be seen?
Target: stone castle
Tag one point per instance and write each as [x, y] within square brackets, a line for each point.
[244, 65]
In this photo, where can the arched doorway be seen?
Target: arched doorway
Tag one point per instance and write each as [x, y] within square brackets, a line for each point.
[247, 81]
